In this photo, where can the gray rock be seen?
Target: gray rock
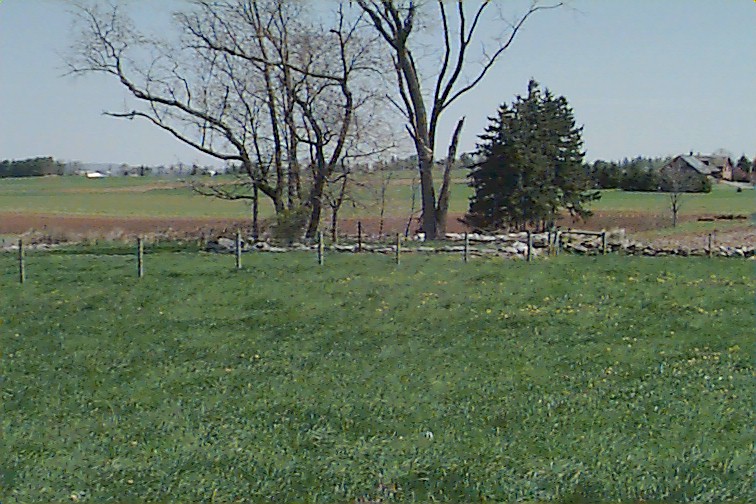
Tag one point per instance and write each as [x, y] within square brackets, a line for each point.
[454, 248]
[345, 248]
[580, 249]
[522, 248]
[222, 246]
[480, 237]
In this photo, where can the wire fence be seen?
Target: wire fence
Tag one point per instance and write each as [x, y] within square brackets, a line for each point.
[526, 246]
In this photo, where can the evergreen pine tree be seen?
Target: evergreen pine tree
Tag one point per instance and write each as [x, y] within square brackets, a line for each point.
[532, 165]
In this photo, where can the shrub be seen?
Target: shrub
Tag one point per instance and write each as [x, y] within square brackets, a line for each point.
[290, 224]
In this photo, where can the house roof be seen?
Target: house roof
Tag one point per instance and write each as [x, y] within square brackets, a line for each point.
[699, 165]
[718, 161]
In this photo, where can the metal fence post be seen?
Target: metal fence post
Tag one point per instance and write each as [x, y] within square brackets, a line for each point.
[320, 248]
[530, 245]
[467, 247]
[398, 247]
[21, 269]
[140, 257]
[238, 249]
[359, 236]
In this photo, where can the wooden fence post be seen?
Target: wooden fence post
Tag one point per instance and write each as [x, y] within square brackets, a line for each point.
[398, 247]
[321, 250]
[21, 269]
[530, 245]
[359, 236]
[467, 247]
[557, 242]
[709, 250]
[238, 249]
[140, 257]
[603, 242]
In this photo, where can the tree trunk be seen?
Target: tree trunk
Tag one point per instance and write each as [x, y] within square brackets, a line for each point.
[255, 212]
[335, 224]
[423, 142]
[427, 195]
[443, 196]
[316, 205]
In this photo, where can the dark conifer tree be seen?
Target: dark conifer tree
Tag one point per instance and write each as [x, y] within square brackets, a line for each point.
[531, 165]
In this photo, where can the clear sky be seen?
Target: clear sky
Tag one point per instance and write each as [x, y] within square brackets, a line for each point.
[644, 77]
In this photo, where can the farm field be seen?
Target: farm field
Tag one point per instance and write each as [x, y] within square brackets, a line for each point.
[722, 199]
[113, 197]
[571, 379]
[155, 197]
[75, 208]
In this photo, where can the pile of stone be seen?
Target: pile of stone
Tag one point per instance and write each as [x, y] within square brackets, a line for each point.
[510, 245]
[636, 248]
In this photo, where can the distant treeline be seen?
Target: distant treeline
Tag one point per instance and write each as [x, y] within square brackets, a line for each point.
[637, 174]
[35, 167]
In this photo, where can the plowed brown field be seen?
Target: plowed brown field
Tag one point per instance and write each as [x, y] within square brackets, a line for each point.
[71, 225]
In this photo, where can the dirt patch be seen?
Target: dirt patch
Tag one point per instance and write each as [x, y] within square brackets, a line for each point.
[15, 223]
[630, 221]
[71, 227]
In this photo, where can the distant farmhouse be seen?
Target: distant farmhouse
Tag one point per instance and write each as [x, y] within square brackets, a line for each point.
[689, 172]
[717, 167]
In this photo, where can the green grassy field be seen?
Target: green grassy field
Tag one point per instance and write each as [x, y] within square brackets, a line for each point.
[154, 197]
[566, 380]
[116, 196]
[723, 199]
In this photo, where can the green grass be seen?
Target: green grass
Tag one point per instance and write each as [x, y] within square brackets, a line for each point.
[148, 197]
[126, 196]
[570, 380]
[723, 199]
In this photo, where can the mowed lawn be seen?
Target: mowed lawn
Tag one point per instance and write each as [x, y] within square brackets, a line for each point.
[157, 197]
[570, 379]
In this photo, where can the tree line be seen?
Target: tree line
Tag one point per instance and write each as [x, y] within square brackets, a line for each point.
[640, 174]
[33, 167]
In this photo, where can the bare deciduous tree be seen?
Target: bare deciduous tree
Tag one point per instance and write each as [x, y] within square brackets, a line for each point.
[459, 72]
[675, 182]
[675, 203]
[413, 206]
[262, 83]
[386, 176]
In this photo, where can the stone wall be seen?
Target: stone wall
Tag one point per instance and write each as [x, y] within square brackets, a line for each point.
[512, 245]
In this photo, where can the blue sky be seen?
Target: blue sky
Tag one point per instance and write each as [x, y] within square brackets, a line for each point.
[644, 77]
